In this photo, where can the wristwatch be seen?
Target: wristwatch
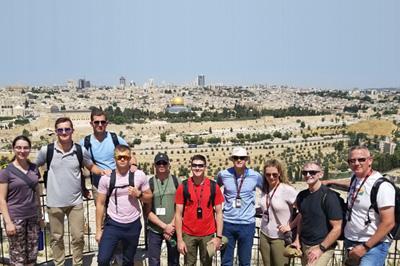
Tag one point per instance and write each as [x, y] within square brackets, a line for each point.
[322, 248]
[141, 193]
[220, 237]
[364, 244]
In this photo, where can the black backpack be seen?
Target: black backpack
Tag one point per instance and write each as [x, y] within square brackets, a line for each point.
[79, 155]
[111, 187]
[186, 194]
[151, 184]
[343, 206]
[88, 145]
[395, 232]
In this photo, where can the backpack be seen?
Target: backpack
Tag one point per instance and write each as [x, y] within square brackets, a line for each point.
[79, 155]
[343, 206]
[395, 232]
[112, 186]
[186, 194]
[88, 145]
[151, 184]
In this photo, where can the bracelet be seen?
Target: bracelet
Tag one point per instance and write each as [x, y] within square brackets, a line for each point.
[220, 237]
[364, 244]
[141, 193]
[322, 248]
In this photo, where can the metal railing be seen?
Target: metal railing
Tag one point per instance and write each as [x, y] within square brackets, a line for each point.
[91, 246]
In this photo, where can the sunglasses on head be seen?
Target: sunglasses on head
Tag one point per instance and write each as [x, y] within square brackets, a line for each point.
[99, 122]
[162, 163]
[311, 172]
[66, 130]
[360, 160]
[275, 175]
[198, 165]
[242, 158]
[122, 157]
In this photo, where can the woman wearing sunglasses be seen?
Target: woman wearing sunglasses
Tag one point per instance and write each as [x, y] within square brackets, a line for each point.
[277, 202]
[20, 204]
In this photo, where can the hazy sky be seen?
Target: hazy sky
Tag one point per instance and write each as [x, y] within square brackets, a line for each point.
[319, 43]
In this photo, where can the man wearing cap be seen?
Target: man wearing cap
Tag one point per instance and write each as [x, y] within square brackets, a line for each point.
[239, 184]
[122, 205]
[198, 215]
[160, 212]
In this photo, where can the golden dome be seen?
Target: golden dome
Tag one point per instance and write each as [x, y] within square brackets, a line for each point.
[177, 101]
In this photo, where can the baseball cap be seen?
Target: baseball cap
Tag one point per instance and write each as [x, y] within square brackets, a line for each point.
[239, 151]
[161, 157]
[211, 247]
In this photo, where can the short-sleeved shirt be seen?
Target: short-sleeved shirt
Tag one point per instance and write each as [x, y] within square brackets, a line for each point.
[64, 176]
[103, 153]
[191, 225]
[251, 180]
[127, 209]
[355, 229]
[279, 211]
[21, 199]
[315, 224]
[163, 198]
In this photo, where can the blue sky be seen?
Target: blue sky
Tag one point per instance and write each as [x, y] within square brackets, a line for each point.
[319, 43]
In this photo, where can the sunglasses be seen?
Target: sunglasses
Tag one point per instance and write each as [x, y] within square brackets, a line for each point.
[236, 158]
[66, 130]
[122, 157]
[162, 163]
[99, 122]
[274, 175]
[360, 160]
[311, 172]
[195, 165]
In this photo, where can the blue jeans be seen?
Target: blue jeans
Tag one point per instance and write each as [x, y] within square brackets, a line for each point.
[376, 256]
[114, 232]
[243, 234]
[154, 250]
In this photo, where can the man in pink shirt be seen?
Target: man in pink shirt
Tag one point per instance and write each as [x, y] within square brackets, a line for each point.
[119, 196]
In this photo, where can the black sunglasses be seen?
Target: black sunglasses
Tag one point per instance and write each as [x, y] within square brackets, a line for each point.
[197, 165]
[162, 163]
[99, 122]
[66, 130]
[360, 160]
[242, 158]
[311, 172]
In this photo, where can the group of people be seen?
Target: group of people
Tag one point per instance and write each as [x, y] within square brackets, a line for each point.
[199, 214]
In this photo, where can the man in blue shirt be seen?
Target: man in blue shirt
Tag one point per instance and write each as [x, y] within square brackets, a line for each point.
[101, 145]
[239, 184]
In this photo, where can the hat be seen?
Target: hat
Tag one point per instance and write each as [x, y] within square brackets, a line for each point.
[239, 151]
[161, 157]
[292, 252]
[211, 247]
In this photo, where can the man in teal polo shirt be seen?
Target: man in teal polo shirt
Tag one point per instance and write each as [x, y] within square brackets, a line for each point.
[239, 184]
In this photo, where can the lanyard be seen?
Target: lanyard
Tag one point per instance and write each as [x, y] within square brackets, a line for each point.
[353, 195]
[268, 198]
[239, 187]
[161, 196]
[201, 192]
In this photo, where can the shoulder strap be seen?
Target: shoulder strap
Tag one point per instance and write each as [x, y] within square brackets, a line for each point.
[131, 178]
[176, 183]
[111, 187]
[86, 142]
[211, 201]
[79, 154]
[114, 138]
[374, 192]
[151, 183]
[49, 154]
[22, 176]
[186, 194]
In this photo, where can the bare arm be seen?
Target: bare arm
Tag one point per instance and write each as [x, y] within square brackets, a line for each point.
[297, 242]
[100, 208]
[10, 227]
[178, 226]
[386, 215]
[146, 197]
[342, 183]
[168, 229]
[97, 170]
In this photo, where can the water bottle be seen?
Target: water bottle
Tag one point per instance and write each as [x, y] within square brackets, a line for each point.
[40, 240]
[172, 242]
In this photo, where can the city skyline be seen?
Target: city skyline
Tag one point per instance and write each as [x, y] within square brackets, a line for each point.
[307, 44]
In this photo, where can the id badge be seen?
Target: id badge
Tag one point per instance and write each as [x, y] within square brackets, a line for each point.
[160, 211]
[199, 213]
[238, 203]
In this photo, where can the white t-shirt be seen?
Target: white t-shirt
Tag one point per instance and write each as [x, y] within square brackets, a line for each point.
[355, 229]
[279, 211]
